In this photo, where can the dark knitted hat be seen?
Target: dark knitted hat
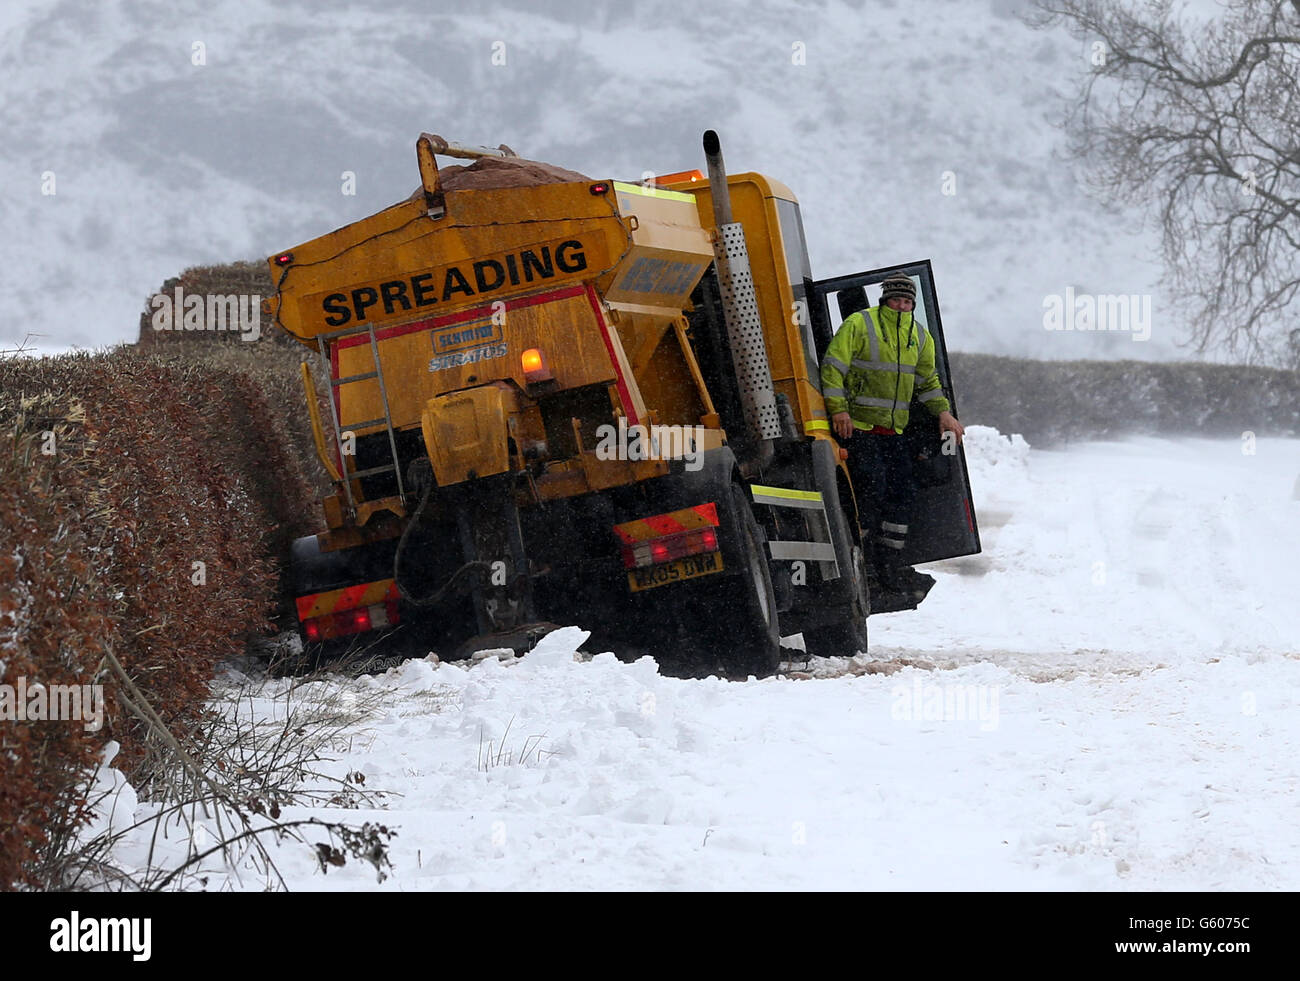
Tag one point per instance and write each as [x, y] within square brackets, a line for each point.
[898, 285]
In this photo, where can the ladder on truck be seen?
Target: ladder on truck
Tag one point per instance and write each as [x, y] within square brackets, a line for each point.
[322, 342]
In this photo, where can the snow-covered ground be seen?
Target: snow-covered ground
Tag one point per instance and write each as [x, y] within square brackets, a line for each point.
[1104, 699]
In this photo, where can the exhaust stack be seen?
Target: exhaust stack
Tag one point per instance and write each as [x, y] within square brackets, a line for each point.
[740, 309]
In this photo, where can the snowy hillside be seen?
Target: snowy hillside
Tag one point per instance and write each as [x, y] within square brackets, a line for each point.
[1103, 700]
[215, 130]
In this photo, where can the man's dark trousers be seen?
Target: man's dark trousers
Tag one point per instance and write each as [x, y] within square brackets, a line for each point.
[881, 468]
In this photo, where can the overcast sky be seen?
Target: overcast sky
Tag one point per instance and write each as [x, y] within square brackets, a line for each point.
[142, 138]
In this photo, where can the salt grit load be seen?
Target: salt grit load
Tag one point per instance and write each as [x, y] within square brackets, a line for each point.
[558, 399]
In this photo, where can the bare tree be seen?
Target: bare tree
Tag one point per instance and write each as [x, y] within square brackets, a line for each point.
[1201, 125]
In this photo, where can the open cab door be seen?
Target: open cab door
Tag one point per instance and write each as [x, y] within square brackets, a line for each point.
[943, 514]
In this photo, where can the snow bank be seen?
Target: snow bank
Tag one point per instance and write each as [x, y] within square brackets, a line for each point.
[989, 453]
[998, 465]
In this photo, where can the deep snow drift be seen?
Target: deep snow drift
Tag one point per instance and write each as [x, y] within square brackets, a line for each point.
[1103, 700]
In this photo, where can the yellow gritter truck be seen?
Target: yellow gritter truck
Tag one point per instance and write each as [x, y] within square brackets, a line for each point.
[547, 399]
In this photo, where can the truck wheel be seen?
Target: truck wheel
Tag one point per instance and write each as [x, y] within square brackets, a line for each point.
[848, 636]
[747, 636]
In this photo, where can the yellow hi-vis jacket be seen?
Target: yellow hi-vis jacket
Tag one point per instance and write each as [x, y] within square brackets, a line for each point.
[876, 360]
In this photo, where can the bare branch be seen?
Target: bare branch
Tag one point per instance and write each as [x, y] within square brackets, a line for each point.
[1200, 125]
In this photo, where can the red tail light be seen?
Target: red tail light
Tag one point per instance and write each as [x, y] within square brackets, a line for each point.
[665, 537]
[348, 622]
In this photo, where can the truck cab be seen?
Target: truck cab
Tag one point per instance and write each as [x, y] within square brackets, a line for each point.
[800, 315]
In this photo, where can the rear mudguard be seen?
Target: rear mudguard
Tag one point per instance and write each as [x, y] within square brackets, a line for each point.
[312, 570]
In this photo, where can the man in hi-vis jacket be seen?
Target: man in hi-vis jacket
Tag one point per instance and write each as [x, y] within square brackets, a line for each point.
[877, 360]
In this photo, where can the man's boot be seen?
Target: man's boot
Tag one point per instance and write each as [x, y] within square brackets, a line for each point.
[895, 576]
[915, 584]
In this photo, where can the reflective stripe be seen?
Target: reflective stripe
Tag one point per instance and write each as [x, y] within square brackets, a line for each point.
[890, 526]
[816, 551]
[891, 542]
[786, 497]
[787, 492]
[837, 364]
[879, 403]
[832, 393]
[652, 192]
[890, 366]
[922, 337]
[872, 338]
[934, 393]
[815, 424]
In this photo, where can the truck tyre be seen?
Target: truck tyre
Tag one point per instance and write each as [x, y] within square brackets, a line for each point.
[848, 636]
[746, 636]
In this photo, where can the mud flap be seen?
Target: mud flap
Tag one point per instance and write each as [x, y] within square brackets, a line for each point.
[487, 519]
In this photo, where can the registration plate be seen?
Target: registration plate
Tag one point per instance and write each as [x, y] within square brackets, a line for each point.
[691, 567]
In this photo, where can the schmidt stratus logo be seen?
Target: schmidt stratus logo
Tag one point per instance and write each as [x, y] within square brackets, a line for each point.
[536, 264]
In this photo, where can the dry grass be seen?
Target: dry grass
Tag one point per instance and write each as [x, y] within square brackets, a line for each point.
[218, 792]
